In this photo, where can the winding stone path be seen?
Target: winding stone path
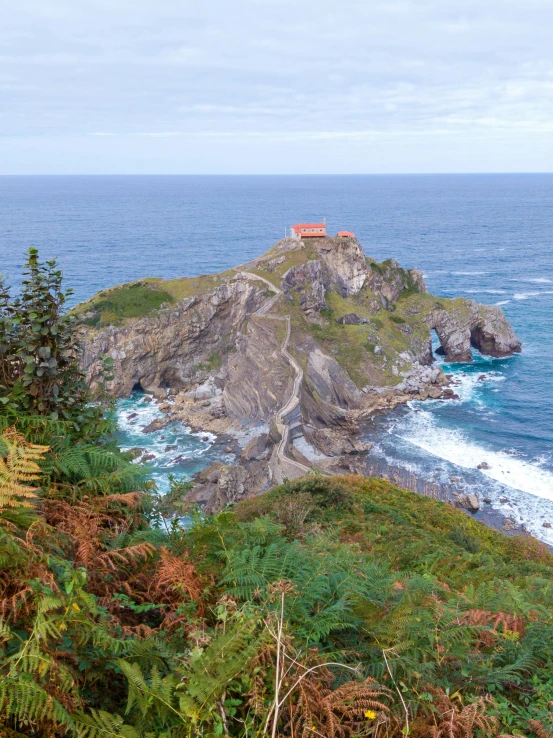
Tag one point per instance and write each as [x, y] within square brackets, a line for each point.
[281, 465]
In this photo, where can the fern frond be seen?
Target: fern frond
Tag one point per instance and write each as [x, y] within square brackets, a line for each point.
[100, 724]
[18, 469]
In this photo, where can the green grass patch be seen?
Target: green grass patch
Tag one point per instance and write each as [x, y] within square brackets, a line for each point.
[213, 362]
[133, 300]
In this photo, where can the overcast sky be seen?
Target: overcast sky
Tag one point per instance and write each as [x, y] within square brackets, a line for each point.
[275, 86]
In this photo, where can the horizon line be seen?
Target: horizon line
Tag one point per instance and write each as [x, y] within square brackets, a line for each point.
[273, 174]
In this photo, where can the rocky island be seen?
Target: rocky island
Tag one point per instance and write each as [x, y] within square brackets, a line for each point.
[288, 353]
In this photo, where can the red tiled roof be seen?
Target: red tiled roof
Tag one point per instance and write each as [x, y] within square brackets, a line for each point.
[347, 234]
[300, 226]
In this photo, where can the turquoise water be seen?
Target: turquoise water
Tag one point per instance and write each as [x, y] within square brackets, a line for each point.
[487, 237]
[173, 450]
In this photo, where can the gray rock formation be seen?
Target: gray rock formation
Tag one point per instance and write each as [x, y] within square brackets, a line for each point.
[347, 259]
[311, 281]
[468, 325]
[420, 376]
[170, 347]
[389, 280]
[330, 381]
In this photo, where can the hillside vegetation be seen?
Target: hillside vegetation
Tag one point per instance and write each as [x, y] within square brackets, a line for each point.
[337, 607]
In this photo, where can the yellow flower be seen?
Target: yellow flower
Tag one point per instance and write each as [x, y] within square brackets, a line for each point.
[370, 714]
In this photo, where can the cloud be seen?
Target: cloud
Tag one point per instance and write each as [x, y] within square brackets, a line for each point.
[288, 70]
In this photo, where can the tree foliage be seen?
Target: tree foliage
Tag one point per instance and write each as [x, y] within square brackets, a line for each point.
[39, 354]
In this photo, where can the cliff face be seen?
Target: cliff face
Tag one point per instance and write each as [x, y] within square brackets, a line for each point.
[173, 347]
[313, 327]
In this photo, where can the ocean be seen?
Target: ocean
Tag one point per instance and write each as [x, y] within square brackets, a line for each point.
[485, 237]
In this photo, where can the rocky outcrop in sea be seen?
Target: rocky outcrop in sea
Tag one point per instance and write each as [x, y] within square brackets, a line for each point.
[288, 353]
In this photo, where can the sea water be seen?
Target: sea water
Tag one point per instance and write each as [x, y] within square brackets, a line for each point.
[172, 451]
[484, 237]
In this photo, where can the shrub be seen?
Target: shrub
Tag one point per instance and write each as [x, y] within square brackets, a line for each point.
[39, 352]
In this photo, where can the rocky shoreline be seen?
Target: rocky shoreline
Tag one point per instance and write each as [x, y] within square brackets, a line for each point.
[288, 355]
[221, 483]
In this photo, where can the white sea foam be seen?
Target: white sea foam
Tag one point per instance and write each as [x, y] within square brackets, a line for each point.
[503, 302]
[533, 280]
[467, 386]
[525, 295]
[485, 292]
[168, 447]
[469, 274]
[424, 431]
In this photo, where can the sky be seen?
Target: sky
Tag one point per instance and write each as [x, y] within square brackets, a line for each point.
[275, 86]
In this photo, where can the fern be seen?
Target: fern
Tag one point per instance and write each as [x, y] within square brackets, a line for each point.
[28, 702]
[100, 724]
[18, 469]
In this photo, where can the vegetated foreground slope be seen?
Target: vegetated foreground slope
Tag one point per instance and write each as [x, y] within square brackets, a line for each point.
[331, 606]
[337, 606]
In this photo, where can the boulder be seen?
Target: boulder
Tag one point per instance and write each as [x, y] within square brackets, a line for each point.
[419, 376]
[157, 424]
[483, 465]
[271, 265]
[468, 502]
[137, 451]
[333, 442]
[350, 319]
[256, 448]
[206, 391]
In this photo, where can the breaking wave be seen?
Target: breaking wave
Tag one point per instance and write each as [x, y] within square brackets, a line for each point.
[425, 432]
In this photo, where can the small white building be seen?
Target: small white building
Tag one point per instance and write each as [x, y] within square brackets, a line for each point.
[308, 230]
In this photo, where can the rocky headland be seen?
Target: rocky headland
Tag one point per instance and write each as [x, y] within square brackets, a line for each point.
[287, 354]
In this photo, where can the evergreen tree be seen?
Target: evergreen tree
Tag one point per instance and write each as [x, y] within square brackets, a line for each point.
[39, 352]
